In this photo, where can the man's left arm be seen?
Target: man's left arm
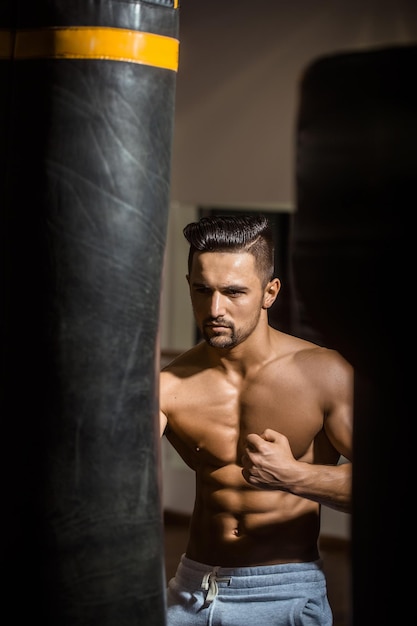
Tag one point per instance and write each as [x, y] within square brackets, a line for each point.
[269, 464]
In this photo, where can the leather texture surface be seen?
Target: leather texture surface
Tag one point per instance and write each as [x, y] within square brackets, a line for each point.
[86, 149]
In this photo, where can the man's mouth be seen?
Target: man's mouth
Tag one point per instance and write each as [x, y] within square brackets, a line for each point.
[217, 326]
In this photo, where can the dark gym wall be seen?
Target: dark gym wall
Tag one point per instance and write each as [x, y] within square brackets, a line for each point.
[87, 121]
[237, 88]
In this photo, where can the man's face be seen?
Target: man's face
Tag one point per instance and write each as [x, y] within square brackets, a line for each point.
[226, 295]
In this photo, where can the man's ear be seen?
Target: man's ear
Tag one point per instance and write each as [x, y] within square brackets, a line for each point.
[271, 292]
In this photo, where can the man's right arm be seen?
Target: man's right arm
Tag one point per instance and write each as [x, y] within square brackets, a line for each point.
[162, 422]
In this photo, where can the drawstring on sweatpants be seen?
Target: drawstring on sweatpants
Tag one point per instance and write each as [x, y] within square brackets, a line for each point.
[210, 581]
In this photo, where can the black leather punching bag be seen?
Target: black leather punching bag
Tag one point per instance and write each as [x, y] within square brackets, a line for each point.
[353, 258]
[88, 150]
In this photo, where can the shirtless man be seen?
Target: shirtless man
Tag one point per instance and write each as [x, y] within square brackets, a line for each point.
[263, 418]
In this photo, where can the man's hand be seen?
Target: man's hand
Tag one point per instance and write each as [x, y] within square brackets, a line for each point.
[268, 461]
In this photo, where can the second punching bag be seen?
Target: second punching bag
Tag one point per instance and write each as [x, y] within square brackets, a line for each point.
[353, 259]
[89, 150]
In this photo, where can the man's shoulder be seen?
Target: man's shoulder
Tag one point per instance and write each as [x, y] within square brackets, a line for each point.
[307, 353]
[323, 366]
[188, 360]
[292, 345]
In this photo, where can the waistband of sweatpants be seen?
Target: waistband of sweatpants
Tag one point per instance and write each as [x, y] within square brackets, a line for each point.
[263, 575]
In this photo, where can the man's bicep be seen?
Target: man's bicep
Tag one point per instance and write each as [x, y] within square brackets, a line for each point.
[339, 420]
[339, 430]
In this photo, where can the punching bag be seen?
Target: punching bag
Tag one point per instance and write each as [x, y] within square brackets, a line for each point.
[87, 150]
[352, 258]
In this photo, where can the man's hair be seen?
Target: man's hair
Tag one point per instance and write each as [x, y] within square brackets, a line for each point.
[230, 233]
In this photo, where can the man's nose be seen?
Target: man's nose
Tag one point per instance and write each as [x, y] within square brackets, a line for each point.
[217, 308]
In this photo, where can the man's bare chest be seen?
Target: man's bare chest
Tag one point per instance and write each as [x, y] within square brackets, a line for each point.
[217, 419]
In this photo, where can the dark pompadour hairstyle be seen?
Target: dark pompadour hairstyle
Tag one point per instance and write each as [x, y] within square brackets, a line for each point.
[248, 233]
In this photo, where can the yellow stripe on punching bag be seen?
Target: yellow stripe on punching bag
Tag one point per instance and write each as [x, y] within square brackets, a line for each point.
[84, 42]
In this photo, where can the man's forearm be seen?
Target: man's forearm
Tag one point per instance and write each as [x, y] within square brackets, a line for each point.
[326, 484]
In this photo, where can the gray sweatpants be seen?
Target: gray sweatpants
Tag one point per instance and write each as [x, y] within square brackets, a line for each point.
[293, 594]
